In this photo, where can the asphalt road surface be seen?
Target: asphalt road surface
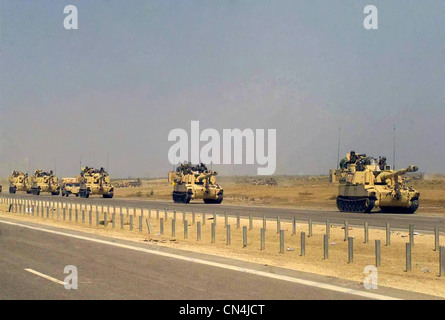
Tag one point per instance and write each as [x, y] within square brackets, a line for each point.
[33, 258]
[375, 219]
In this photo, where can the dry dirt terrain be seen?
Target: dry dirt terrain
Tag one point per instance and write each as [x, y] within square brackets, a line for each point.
[424, 277]
[314, 192]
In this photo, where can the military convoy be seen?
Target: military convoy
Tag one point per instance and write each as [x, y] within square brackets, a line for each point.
[365, 183]
[195, 182]
[90, 182]
[95, 182]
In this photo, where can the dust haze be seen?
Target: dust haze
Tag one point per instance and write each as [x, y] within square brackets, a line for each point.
[108, 93]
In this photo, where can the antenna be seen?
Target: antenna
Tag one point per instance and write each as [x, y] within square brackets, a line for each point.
[338, 149]
[394, 149]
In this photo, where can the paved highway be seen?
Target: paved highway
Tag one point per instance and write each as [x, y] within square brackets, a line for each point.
[375, 219]
[33, 257]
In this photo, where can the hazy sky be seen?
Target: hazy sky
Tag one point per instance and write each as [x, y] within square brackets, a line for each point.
[134, 70]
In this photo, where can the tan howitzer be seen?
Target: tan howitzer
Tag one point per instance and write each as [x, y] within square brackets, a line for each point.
[360, 192]
[193, 185]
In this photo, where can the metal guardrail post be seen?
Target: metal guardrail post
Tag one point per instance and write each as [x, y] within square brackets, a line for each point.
[328, 229]
[186, 230]
[213, 232]
[198, 231]
[408, 257]
[309, 228]
[303, 244]
[228, 235]
[281, 241]
[366, 229]
[262, 239]
[325, 247]
[350, 250]
[377, 254]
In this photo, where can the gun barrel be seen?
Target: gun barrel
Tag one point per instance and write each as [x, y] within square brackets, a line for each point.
[388, 175]
[208, 175]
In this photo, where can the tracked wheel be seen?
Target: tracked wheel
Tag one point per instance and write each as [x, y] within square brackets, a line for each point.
[364, 205]
[410, 210]
[181, 197]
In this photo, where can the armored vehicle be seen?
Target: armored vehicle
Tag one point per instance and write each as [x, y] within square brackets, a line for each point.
[19, 181]
[95, 182]
[70, 186]
[195, 182]
[366, 186]
[45, 182]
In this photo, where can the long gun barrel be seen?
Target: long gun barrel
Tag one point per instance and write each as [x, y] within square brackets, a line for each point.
[208, 175]
[388, 175]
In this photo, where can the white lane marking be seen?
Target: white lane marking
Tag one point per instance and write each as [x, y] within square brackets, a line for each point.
[320, 285]
[45, 276]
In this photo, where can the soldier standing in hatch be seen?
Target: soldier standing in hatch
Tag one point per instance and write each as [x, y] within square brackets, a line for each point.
[352, 157]
[382, 163]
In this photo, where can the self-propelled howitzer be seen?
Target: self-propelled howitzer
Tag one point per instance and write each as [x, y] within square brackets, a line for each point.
[45, 182]
[95, 182]
[192, 183]
[361, 191]
[19, 181]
